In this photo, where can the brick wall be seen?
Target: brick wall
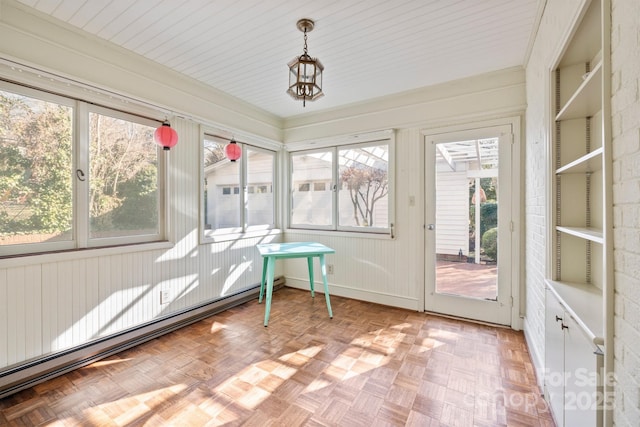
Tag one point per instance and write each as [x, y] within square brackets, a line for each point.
[625, 129]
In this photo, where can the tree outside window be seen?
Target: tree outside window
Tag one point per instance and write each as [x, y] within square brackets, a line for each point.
[35, 170]
[364, 186]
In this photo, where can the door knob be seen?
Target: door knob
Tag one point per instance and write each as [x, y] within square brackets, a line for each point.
[431, 227]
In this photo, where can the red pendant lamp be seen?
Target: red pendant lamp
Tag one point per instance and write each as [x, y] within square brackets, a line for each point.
[165, 136]
[233, 151]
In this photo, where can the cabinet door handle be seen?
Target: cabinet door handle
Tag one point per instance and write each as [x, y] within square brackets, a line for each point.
[558, 319]
[564, 326]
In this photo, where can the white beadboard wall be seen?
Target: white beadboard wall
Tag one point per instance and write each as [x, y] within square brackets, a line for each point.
[49, 307]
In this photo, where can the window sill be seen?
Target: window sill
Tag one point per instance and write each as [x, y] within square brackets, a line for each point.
[220, 238]
[74, 254]
[339, 233]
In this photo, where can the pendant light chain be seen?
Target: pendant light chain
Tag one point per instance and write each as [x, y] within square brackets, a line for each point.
[305, 42]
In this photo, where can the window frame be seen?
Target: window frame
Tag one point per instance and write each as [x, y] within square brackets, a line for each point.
[160, 182]
[211, 235]
[334, 145]
[354, 228]
[80, 140]
[291, 190]
[40, 247]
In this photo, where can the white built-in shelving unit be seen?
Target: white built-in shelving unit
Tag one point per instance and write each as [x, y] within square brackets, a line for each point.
[580, 282]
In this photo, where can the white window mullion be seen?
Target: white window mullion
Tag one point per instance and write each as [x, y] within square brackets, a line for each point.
[392, 185]
[243, 186]
[334, 189]
[289, 181]
[81, 176]
[164, 195]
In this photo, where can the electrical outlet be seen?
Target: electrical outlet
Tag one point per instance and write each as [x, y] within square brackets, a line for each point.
[329, 268]
[164, 297]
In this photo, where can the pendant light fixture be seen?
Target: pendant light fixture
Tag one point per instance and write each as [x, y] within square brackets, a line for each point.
[165, 136]
[305, 72]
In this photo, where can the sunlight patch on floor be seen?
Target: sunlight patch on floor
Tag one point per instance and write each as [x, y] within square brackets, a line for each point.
[217, 326]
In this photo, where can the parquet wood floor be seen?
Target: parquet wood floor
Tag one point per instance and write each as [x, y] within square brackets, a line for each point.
[370, 365]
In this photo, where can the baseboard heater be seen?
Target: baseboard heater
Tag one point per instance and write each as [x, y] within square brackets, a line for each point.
[38, 370]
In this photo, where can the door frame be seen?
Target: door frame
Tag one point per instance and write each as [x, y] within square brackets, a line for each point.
[514, 205]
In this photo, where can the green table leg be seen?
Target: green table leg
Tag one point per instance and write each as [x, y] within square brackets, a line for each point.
[264, 272]
[310, 264]
[270, 271]
[323, 269]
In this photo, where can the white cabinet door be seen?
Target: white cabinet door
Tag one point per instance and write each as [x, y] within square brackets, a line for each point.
[573, 366]
[582, 394]
[554, 358]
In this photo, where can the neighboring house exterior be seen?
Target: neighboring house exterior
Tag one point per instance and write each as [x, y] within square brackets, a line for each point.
[222, 193]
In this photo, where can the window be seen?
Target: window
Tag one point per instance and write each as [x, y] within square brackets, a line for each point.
[74, 175]
[360, 201]
[123, 175]
[310, 209]
[247, 201]
[363, 195]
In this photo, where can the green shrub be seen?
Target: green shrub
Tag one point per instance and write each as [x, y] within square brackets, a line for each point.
[488, 216]
[490, 243]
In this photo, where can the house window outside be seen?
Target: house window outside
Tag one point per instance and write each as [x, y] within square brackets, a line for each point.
[244, 203]
[311, 209]
[260, 167]
[74, 175]
[360, 201]
[304, 186]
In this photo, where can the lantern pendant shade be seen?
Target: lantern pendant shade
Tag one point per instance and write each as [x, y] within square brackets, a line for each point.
[165, 136]
[305, 78]
[305, 72]
[233, 151]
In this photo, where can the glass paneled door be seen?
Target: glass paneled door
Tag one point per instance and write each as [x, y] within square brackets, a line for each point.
[468, 224]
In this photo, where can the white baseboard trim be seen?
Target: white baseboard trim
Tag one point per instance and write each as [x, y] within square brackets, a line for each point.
[359, 294]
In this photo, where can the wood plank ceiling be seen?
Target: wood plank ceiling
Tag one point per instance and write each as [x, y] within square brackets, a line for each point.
[370, 48]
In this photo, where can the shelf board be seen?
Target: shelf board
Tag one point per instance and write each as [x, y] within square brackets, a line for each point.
[584, 304]
[591, 234]
[590, 162]
[587, 99]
